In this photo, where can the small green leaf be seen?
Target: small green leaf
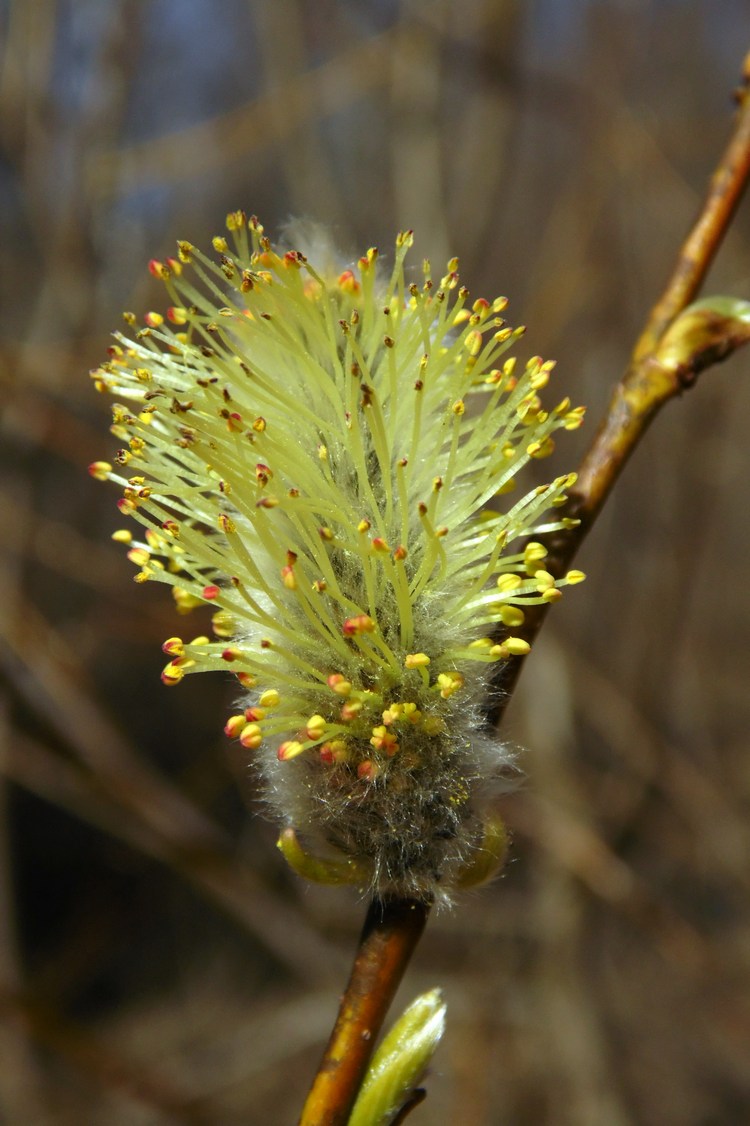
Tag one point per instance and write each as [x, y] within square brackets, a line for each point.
[703, 334]
[400, 1061]
[489, 856]
[318, 869]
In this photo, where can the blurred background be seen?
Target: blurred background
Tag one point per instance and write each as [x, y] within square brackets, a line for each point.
[158, 963]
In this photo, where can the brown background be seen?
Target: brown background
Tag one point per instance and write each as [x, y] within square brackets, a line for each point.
[157, 962]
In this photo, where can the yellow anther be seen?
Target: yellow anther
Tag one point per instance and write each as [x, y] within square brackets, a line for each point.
[184, 600]
[574, 577]
[507, 583]
[544, 580]
[222, 623]
[473, 342]
[315, 727]
[122, 536]
[384, 740]
[270, 698]
[392, 713]
[574, 418]
[449, 682]
[251, 736]
[254, 715]
[339, 684]
[534, 551]
[360, 623]
[335, 750]
[416, 660]
[516, 646]
[290, 749]
[234, 726]
[351, 710]
[172, 673]
[411, 712]
[541, 449]
[174, 647]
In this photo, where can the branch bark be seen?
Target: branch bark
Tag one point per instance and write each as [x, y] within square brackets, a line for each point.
[391, 932]
[647, 383]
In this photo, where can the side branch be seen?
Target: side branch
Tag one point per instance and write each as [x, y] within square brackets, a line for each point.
[653, 376]
[648, 383]
[699, 248]
[391, 932]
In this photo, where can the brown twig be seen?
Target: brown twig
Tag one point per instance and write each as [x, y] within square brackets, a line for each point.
[647, 384]
[391, 932]
[704, 238]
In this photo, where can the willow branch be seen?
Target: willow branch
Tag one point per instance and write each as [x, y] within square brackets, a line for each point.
[648, 383]
[705, 236]
[391, 932]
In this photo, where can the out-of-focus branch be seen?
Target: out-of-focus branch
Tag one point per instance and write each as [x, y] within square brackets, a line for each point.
[116, 789]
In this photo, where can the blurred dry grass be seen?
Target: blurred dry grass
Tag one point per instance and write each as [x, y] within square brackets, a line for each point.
[157, 964]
